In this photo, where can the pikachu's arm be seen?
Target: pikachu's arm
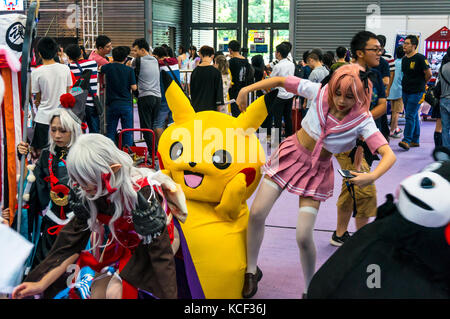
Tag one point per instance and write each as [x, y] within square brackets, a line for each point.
[232, 197]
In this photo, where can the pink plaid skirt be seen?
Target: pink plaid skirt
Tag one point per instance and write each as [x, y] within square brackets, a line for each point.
[290, 168]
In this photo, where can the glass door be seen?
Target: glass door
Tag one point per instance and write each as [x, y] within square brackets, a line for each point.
[258, 42]
[278, 37]
[223, 38]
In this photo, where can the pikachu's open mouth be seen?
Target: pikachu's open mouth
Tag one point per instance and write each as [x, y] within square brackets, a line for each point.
[193, 180]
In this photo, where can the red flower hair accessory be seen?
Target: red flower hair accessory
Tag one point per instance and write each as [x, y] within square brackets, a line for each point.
[106, 180]
[67, 100]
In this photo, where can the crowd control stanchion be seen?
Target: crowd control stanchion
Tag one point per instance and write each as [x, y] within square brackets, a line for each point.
[185, 73]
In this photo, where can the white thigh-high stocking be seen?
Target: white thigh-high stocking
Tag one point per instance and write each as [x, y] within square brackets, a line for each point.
[305, 226]
[266, 196]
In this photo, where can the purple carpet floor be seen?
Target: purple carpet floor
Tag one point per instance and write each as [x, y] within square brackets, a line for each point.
[279, 255]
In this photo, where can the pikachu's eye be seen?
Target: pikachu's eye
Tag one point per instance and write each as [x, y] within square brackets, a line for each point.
[221, 159]
[176, 150]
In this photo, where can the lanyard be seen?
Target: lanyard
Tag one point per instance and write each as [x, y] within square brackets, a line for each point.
[351, 189]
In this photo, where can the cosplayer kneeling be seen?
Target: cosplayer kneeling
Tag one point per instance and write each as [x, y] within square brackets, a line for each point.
[302, 163]
[109, 191]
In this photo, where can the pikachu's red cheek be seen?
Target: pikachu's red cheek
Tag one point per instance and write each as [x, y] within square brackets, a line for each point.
[250, 175]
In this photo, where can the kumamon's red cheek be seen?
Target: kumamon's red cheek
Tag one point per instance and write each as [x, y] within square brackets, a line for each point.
[447, 233]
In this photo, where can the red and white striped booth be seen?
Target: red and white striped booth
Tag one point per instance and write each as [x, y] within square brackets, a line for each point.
[435, 48]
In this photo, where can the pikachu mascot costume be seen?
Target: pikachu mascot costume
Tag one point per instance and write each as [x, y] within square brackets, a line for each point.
[216, 159]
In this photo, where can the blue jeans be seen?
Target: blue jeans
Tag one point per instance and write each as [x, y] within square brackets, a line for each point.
[164, 112]
[92, 119]
[124, 113]
[411, 134]
[445, 118]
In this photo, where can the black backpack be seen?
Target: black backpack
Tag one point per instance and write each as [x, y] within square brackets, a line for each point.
[250, 76]
[299, 71]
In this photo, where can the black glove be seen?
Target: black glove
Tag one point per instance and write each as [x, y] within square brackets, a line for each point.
[76, 203]
[149, 218]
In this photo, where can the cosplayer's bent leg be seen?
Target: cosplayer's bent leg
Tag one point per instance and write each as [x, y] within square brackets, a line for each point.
[266, 196]
[114, 289]
[106, 287]
[99, 286]
[304, 235]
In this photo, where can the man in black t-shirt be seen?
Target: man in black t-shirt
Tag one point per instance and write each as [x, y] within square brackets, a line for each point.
[240, 71]
[416, 73]
[120, 80]
[206, 83]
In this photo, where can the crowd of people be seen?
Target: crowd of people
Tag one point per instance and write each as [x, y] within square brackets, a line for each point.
[343, 97]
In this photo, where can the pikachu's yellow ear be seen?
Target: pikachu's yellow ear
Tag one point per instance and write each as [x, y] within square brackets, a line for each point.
[179, 104]
[257, 112]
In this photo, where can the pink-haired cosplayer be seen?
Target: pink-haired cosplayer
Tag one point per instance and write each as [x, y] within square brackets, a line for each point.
[302, 163]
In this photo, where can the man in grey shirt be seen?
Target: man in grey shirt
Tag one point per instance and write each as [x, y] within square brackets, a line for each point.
[147, 73]
[444, 79]
[319, 71]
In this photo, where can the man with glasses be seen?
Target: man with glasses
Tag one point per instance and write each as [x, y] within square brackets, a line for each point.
[416, 73]
[366, 51]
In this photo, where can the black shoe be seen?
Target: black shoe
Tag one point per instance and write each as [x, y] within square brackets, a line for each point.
[304, 296]
[338, 241]
[404, 145]
[251, 283]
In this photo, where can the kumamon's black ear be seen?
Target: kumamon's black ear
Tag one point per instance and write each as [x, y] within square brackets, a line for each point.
[386, 209]
[441, 153]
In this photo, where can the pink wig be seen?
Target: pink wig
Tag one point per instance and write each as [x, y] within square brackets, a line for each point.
[347, 77]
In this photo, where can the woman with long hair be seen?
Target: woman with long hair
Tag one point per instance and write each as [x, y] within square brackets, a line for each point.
[221, 63]
[194, 60]
[110, 191]
[48, 195]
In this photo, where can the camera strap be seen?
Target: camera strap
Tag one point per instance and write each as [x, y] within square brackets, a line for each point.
[351, 190]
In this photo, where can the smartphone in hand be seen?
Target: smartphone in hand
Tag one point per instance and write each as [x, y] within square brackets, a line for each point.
[345, 173]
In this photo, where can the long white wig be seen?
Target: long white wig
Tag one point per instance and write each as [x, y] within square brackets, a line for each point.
[68, 124]
[89, 158]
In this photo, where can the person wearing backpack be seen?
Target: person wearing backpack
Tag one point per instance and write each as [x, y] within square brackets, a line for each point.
[240, 70]
[146, 69]
[77, 65]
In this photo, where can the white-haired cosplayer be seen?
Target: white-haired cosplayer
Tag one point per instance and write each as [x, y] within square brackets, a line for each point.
[49, 193]
[109, 191]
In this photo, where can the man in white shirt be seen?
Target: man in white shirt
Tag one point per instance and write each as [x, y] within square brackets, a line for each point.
[282, 106]
[48, 82]
[289, 56]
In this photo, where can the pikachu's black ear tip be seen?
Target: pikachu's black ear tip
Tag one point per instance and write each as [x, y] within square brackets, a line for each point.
[269, 98]
[166, 79]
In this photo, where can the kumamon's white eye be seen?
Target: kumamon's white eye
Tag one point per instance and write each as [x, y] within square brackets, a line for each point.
[432, 167]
